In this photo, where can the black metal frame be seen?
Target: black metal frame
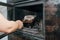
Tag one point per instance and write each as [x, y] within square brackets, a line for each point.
[21, 4]
[26, 34]
[6, 4]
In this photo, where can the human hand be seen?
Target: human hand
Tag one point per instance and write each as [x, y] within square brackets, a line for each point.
[20, 24]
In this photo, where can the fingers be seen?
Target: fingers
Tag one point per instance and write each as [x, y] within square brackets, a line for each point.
[20, 24]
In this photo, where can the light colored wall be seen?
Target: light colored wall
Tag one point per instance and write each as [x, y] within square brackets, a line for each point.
[5, 1]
